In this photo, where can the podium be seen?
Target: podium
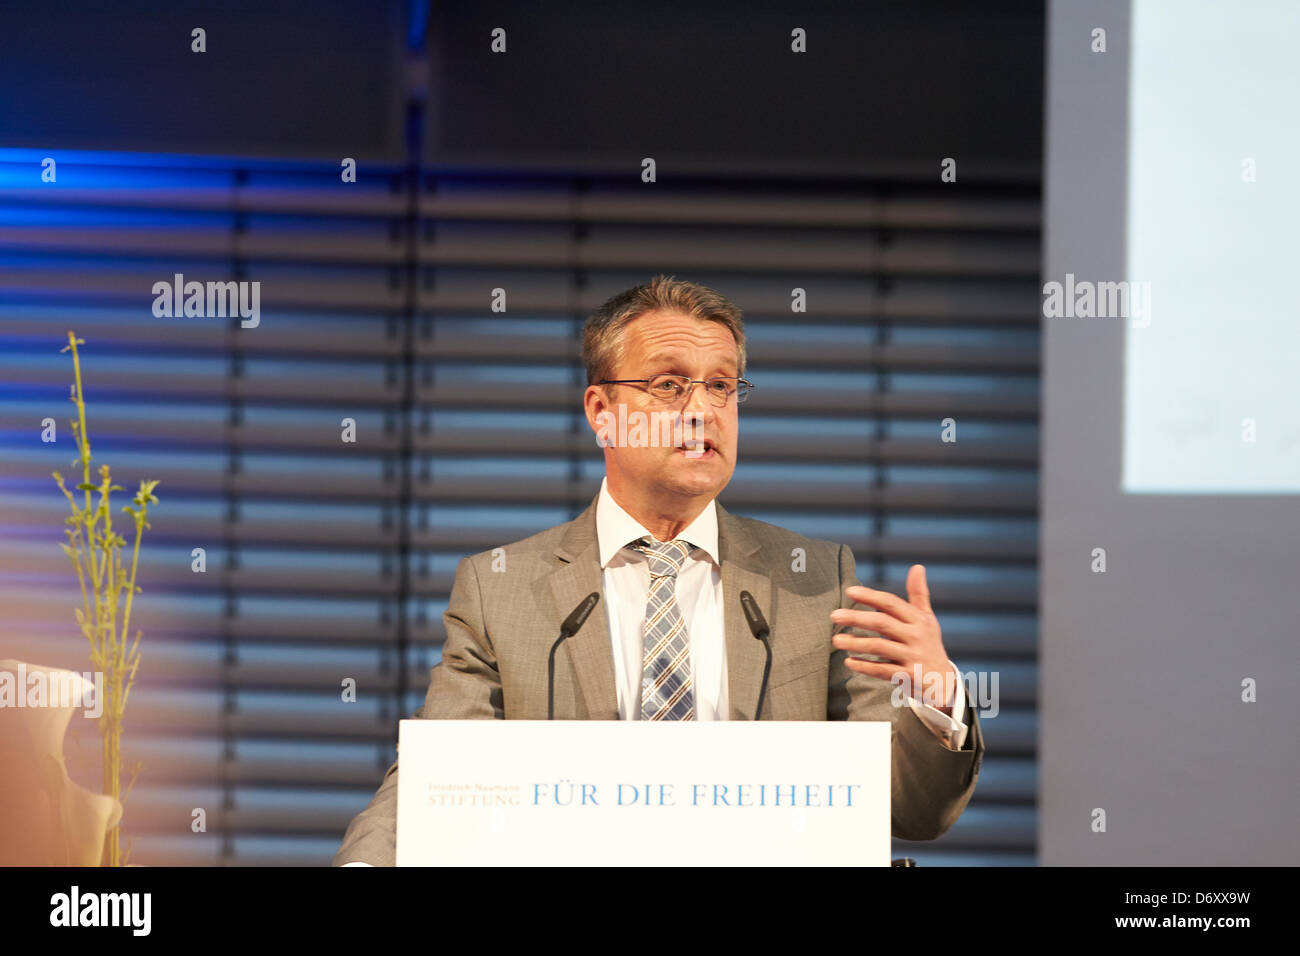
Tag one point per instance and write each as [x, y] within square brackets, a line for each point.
[643, 793]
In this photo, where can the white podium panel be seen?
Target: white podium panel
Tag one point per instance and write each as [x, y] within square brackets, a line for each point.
[641, 793]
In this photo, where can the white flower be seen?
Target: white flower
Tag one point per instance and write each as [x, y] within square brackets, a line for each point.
[46, 819]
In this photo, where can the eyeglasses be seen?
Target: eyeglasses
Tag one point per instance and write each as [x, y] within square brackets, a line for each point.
[670, 389]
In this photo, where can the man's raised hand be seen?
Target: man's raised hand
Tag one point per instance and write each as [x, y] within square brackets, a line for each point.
[911, 641]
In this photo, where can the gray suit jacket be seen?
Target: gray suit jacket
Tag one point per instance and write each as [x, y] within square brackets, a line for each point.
[500, 628]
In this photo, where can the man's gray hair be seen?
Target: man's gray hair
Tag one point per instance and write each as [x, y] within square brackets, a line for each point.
[602, 340]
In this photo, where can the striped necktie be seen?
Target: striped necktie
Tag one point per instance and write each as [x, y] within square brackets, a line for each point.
[666, 692]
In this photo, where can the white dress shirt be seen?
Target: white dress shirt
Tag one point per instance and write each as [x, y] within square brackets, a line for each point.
[699, 598]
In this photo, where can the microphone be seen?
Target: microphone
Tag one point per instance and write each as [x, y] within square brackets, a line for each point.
[758, 627]
[572, 625]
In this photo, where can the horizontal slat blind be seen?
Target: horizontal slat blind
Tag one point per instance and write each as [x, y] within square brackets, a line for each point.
[238, 706]
[329, 560]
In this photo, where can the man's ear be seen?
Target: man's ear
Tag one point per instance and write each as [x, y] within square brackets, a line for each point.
[600, 414]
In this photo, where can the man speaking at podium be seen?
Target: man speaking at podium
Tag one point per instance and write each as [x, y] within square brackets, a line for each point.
[669, 638]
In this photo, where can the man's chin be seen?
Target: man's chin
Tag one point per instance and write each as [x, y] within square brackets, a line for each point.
[696, 478]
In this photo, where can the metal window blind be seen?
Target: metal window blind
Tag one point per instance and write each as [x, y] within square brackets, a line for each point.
[328, 560]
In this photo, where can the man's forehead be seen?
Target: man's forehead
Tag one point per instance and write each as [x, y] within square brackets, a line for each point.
[677, 355]
[671, 336]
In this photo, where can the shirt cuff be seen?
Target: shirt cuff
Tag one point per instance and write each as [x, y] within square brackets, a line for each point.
[949, 730]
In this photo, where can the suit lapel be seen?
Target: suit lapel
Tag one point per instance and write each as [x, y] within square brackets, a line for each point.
[742, 571]
[590, 650]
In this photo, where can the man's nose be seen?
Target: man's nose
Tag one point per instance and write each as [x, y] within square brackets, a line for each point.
[697, 402]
